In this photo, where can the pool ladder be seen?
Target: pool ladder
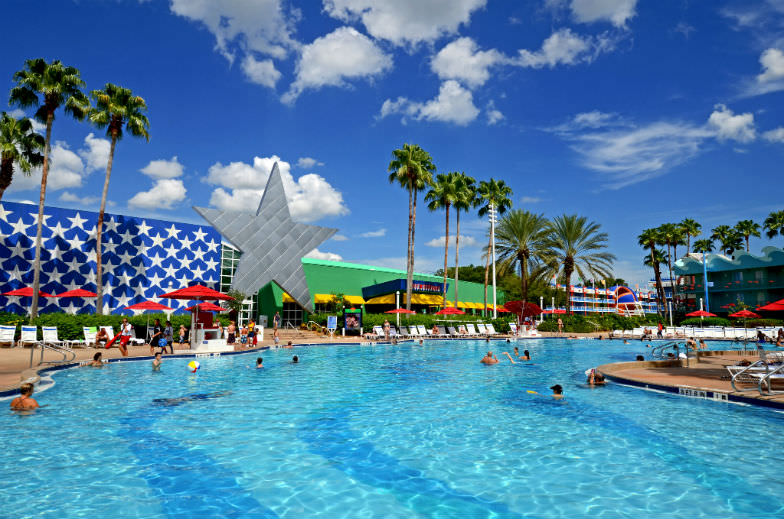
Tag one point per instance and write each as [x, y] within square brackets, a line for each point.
[62, 349]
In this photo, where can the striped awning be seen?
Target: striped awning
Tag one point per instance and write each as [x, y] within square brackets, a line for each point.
[416, 299]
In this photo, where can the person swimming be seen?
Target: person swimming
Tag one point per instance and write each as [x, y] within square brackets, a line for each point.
[156, 362]
[596, 379]
[259, 363]
[526, 355]
[489, 359]
[25, 401]
[295, 359]
[97, 361]
[557, 391]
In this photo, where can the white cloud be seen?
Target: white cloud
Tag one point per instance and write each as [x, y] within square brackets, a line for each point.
[96, 153]
[339, 237]
[593, 119]
[454, 104]
[66, 171]
[465, 241]
[329, 256]
[374, 234]
[405, 22]
[261, 72]
[462, 60]
[772, 61]
[564, 47]
[494, 116]
[308, 162]
[730, 126]
[238, 26]
[163, 168]
[164, 194]
[310, 196]
[775, 135]
[67, 196]
[617, 12]
[332, 59]
[530, 200]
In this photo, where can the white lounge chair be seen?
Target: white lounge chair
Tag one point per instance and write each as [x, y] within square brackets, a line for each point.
[50, 336]
[422, 330]
[7, 334]
[470, 329]
[29, 337]
[378, 333]
[89, 335]
[490, 329]
[453, 332]
[480, 327]
[413, 331]
[513, 328]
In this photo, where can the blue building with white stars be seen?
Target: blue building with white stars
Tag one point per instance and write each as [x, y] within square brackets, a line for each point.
[142, 258]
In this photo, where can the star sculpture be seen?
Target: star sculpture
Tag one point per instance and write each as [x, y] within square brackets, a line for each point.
[272, 244]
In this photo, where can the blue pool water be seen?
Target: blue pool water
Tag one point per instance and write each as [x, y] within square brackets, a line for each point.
[385, 431]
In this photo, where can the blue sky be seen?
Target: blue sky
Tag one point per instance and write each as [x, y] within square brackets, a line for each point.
[631, 112]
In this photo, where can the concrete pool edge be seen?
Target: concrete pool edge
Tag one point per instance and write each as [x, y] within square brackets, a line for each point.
[610, 372]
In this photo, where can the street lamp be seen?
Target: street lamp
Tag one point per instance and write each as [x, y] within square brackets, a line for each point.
[492, 216]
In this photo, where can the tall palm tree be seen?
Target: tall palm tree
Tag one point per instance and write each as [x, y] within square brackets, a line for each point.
[747, 228]
[47, 86]
[492, 193]
[466, 199]
[20, 146]
[680, 239]
[774, 224]
[573, 244]
[442, 195]
[650, 238]
[519, 241]
[115, 108]
[690, 228]
[670, 233]
[412, 168]
[728, 237]
[703, 246]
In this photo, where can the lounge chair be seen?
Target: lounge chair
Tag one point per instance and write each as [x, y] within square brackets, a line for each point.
[29, 337]
[453, 332]
[7, 334]
[50, 336]
[422, 330]
[89, 335]
[470, 329]
[442, 332]
[490, 329]
[513, 328]
[413, 332]
[480, 327]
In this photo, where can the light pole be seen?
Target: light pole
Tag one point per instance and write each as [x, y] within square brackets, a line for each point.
[397, 306]
[705, 281]
[492, 214]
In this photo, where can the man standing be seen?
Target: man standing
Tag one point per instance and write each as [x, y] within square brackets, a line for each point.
[276, 321]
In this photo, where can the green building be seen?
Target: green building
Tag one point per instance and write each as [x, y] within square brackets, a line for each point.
[753, 280]
[375, 289]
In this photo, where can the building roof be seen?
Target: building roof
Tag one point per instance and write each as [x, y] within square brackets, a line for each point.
[771, 257]
[359, 266]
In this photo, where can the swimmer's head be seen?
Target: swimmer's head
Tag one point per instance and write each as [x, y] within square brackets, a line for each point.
[525, 352]
[26, 389]
[289, 344]
[258, 361]
[97, 356]
[295, 359]
[557, 389]
[157, 354]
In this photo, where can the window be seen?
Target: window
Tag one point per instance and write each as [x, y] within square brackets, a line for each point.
[230, 258]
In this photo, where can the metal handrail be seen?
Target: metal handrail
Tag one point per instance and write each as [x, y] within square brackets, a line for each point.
[765, 381]
[63, 350]
[658, 351]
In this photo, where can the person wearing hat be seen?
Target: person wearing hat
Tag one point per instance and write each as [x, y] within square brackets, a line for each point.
[557, 391]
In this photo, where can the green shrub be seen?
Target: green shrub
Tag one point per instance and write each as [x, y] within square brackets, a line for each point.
[590, 323]
[754, 323]
[706, 321]
[501, 324]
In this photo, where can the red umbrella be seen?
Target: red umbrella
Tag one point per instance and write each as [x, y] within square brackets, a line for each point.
[728, 305]
[78, 292]
[523, 309]
[26, 292]
[556, 311]
[148, 305]
[776, 306]
[450, 310]
[197, 293]
[207, 307]
[502, 309]
[399, 311]
[700, 313]
[746, 314]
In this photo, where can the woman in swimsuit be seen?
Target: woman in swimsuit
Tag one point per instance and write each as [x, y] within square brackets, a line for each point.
[26, 400]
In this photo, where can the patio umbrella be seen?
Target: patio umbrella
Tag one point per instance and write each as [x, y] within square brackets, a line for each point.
[776, 306]
[523, 309]
[450, 310]
[745, 314]
[555, 311]
[25, 292]
[207, 307]
[502, 309]
[700, 313]
[197, 293]
[146, 306]
[399, 311]
[77, 292]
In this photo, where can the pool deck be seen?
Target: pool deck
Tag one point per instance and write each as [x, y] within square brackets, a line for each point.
[705, 377]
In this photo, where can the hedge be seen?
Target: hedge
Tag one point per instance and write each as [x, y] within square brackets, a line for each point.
[69, 327]
[501, 324]
[590, 323]
[706, 321]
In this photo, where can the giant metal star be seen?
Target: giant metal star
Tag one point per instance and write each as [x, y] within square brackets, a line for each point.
[272, 244]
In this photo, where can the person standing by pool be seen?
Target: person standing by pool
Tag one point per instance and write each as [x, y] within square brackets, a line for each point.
[183, 334]
[168, 334]
[560, 326]
[25, 401]
[276, 321]
[387, 326]
[126, 332]
[252, 333]
[231, 333]
[660, 333]
[156, 362]
[157, 335]
[489, 359]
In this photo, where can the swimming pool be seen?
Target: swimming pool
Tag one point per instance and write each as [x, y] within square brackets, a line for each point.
[385, 431]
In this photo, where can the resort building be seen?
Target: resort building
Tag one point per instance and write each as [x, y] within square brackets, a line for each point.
[617, 299]
[144, 258]
[744, 278]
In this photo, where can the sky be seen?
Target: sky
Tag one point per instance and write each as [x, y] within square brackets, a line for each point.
[632, 113]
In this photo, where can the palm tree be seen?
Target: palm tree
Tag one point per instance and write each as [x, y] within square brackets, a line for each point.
[115, 107]
[573, 244]
[703, 246]
[747, 228]
[520, 235]
[690, 228]
[728, 237]
[774, 224]
[466, 199]
[649, 238]
[412, 168]
[670, 233]
[57, 85]
[493, 193]
[442, 194]
[19, 146]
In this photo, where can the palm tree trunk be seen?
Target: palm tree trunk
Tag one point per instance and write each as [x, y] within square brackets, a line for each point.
[487, 274]
[408, 246]
[672, 281]
[446, 253]
[747, 236]
[657, 278]
[42, 197]
[568, 276]
[523, 278]
[99, 231]
[457, 251]
[688, 243]
[410, 279]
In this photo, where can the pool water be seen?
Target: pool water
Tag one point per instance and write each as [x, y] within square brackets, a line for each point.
[385, 431]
